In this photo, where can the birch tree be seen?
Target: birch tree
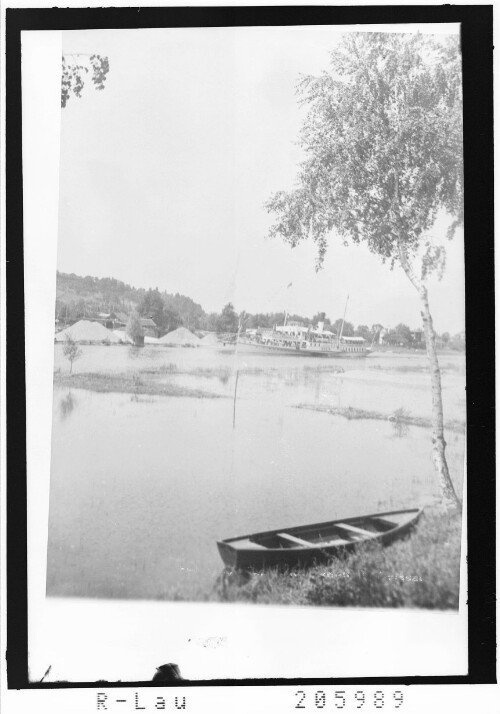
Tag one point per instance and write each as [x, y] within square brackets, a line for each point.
[382, 140]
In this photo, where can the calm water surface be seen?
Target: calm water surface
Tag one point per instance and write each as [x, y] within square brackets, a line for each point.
[142, 486]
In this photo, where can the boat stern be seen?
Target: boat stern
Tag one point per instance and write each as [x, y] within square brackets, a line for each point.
[227, 553]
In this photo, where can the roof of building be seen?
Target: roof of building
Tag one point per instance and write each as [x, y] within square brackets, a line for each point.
[291, 328]
[328, 333]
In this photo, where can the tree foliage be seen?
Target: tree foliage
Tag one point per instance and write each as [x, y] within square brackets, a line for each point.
[383, 145]
[228, 319]
[400, 335]
[152, 305]
[184, 311]
[363, 331]
[134, 328]
[76, 68]
[172, 320]
[347, 330]
[71, 350]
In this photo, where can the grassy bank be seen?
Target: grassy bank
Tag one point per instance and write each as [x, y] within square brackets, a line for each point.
[421, 571]
[400, 416]
[128, 384]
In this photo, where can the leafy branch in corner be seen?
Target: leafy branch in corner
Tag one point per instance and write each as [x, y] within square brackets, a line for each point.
[76, 68]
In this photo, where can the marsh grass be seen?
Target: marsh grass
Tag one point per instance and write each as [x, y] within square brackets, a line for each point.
[164, 368]
[403, 368]
[421, 571]
[400, 416]
[319, 368]
[221, 372]
[134, 384]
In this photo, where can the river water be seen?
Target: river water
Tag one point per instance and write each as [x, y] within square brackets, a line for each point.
[143, 486]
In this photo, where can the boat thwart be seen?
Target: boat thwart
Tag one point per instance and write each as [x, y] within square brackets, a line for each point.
[304, 545]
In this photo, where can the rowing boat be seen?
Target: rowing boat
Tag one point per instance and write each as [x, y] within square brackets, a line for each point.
[305, 545]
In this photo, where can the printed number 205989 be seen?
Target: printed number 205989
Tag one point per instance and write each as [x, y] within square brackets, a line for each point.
[340, 699]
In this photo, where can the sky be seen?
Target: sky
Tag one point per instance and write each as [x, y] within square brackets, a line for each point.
[164, 176]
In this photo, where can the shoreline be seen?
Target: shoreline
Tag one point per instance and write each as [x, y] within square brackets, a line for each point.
[419, 571]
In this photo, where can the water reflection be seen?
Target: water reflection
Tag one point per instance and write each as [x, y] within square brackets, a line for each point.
[134, 352]
[67, 404]
[400, 422]
[224, 375]
[141, 398]
[400, 429]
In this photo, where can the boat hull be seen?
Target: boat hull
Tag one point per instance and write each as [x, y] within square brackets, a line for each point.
[305, 352]
[281, 548]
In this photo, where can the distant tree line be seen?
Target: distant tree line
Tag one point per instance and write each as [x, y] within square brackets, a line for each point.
[86, 297]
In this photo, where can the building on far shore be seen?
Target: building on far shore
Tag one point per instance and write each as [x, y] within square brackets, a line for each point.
[414, 339]
[417, 338]
[149, 327]
[117, 321]
[110, 320]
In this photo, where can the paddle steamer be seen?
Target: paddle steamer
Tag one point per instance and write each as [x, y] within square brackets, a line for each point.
[295, 338]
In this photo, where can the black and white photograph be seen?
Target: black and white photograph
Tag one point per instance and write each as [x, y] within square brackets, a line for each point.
[254, 419]
[259, 372]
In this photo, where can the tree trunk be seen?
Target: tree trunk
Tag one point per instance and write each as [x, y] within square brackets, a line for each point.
[449, 496]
